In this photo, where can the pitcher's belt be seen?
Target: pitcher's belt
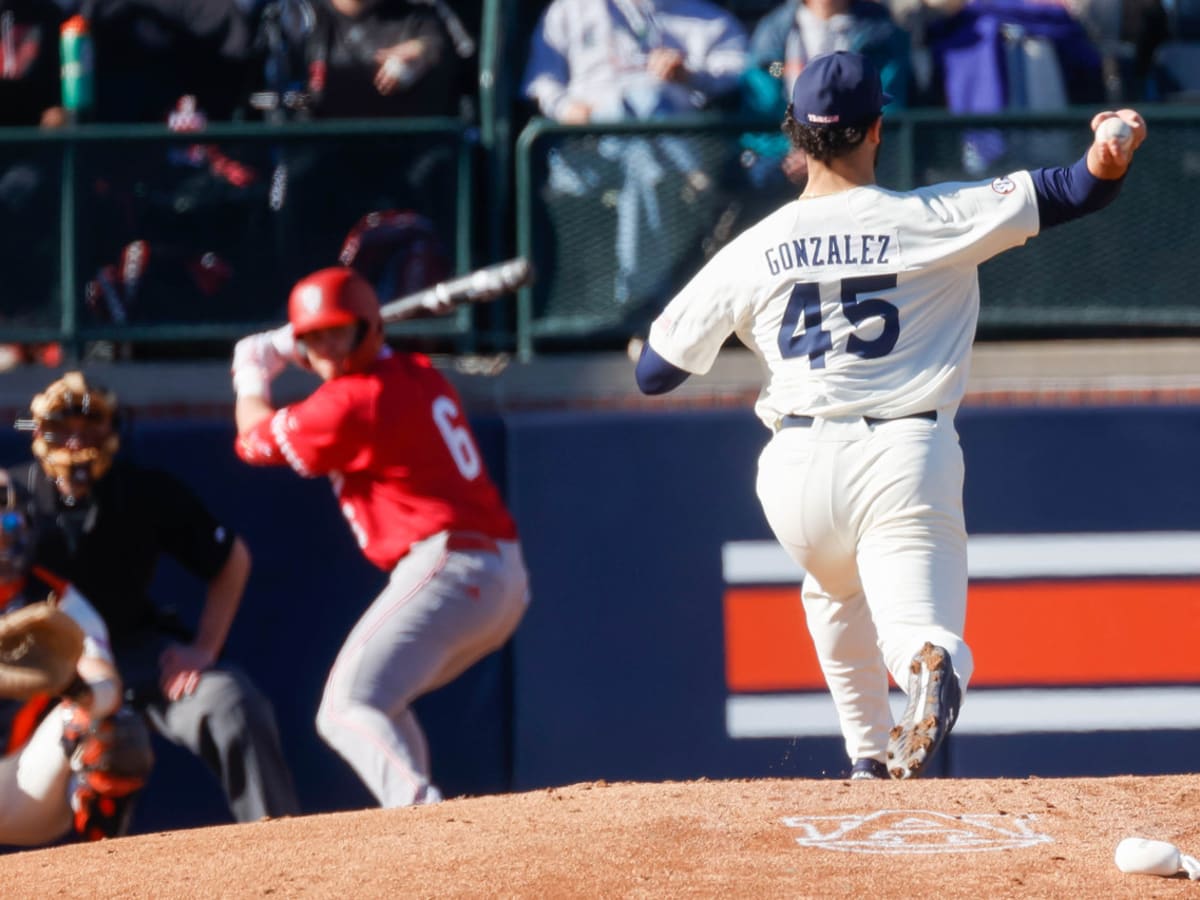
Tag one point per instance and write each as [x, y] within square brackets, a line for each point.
[806, 421]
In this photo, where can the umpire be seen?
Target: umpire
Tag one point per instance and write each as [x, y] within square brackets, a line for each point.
[103, 523]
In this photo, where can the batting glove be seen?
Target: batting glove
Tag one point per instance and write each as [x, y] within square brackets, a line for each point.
[259, 358]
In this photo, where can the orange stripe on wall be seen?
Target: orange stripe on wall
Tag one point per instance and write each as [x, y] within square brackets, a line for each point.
[1136, 631]
[767, 647]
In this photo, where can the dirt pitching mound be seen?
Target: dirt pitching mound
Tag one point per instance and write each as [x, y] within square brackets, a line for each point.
[751, 838]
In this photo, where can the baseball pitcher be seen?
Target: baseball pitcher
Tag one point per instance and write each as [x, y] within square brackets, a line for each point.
[392, 436]
[862, 304]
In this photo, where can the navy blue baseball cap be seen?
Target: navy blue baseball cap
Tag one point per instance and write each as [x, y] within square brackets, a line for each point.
[838, 89]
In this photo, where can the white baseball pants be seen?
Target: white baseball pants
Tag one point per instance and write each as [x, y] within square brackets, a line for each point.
[873, 513]
[34, 806]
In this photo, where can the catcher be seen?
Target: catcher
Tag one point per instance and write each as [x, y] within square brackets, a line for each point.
[74, 759]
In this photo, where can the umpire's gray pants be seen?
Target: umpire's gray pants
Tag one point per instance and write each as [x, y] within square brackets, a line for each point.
[230, 725]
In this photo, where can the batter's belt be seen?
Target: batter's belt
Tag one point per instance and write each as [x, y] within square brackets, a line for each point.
[792, 421]
[471, 540]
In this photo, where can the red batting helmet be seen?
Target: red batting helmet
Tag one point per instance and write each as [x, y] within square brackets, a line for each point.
[337, 296]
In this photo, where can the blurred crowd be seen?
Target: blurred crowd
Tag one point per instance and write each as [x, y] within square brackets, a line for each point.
[269, 59]
[186, 64]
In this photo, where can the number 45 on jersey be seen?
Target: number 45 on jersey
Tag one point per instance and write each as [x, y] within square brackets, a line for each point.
[857, 306]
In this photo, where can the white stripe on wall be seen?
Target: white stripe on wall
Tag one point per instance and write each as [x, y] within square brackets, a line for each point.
[986, 711]
[1153, 553]
[1129, 554]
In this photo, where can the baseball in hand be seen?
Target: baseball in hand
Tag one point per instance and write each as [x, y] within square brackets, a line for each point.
[1117, 128]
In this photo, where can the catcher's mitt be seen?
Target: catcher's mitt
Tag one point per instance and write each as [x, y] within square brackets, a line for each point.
[39, 647]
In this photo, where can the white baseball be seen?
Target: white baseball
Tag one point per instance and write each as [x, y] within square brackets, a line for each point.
[1116, 127]
[1145, 857]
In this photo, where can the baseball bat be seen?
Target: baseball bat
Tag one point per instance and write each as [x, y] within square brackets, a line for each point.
[480, 286]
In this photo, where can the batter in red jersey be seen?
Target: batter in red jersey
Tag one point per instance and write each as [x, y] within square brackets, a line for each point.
[390, 433]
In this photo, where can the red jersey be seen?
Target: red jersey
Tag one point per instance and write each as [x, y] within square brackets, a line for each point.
[396, 445]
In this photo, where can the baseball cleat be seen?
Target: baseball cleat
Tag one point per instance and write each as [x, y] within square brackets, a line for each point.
[868, 770]
[933, 699]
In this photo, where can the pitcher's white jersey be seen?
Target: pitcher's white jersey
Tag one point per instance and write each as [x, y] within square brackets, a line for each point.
[863, 302]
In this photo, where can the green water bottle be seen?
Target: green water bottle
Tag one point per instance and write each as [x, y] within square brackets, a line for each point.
[75, 52]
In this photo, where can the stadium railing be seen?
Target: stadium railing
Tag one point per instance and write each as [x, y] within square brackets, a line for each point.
[227, 219]
[138, 236]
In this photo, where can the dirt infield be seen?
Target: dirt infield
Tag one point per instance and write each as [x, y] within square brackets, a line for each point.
[752, 838]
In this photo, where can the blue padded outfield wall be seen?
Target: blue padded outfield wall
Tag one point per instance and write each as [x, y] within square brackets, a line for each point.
[619, 671]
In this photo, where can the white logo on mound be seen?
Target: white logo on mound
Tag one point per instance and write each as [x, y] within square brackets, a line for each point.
[916, 831]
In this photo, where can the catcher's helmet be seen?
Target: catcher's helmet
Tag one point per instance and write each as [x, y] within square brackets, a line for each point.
[74, 433]
[337, 296]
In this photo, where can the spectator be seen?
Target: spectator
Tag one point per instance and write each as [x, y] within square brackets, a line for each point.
[1127, 33]
[387, 58]
[149, 53]
[996, 55]
[916, 18]
[104, 523]
[29, 67]
[781, 45]
[633, 60]
[29, 96]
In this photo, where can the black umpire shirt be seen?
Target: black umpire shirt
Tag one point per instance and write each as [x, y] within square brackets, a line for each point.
[108, 545]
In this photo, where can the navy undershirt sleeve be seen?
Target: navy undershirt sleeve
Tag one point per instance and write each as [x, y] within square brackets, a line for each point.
[1065, 194]
[655, 375]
